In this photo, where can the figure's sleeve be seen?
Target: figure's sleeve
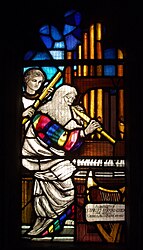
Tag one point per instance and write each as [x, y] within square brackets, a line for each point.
[53, 134]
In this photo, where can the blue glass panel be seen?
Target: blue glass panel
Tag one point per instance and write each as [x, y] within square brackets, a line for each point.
[44, 30]
[77, 18]
[74, 55]
[41, 56]
[60, 82]
[113, 91]
[57, 54]
[59, 45]
[61, 68]
[71, 42]
[77, 33]
[47, 41]
[110, 53]
[68, 29]
[50, 71]
[69, 13]
[56, 35]
[29, 55]
[73, 17]
[109, 70]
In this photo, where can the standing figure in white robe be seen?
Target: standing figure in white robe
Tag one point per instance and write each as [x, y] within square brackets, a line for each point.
[54, 133]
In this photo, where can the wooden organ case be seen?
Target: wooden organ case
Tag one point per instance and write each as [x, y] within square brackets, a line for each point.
[100, 177]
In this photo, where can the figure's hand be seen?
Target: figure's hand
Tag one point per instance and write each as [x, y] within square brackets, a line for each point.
[92, 126]
[50, 90]
[28, 112]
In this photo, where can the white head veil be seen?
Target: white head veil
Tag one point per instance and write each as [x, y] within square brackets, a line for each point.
[57, 108]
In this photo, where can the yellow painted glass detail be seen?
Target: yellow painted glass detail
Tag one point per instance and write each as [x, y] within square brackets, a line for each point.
[98, 31]
[62, 139]
[92, 104]
[120, 54]
[92, 41]
[85, 70]
[121, 124]
[99, 108]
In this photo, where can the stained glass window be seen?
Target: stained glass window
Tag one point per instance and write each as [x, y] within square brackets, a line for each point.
[73, 136]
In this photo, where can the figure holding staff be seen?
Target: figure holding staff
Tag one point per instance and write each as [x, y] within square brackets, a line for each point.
[34, 78]
[55, 132]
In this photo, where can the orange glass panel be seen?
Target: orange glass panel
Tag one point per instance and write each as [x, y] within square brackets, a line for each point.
[68, 75]
[92, 41]
[120, 70]
[68, 69]
[85, 46]
[92, 103]
[92, 70]
[85, 102]
[99, 70]
[69, 55]
[99, 50]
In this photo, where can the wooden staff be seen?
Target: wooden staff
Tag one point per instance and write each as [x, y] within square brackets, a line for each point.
[44, 93]
[87, 119]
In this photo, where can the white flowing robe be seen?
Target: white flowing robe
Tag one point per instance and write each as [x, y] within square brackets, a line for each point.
[53, 187]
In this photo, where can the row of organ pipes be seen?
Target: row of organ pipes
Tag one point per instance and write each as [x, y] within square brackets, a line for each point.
[92, 49]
